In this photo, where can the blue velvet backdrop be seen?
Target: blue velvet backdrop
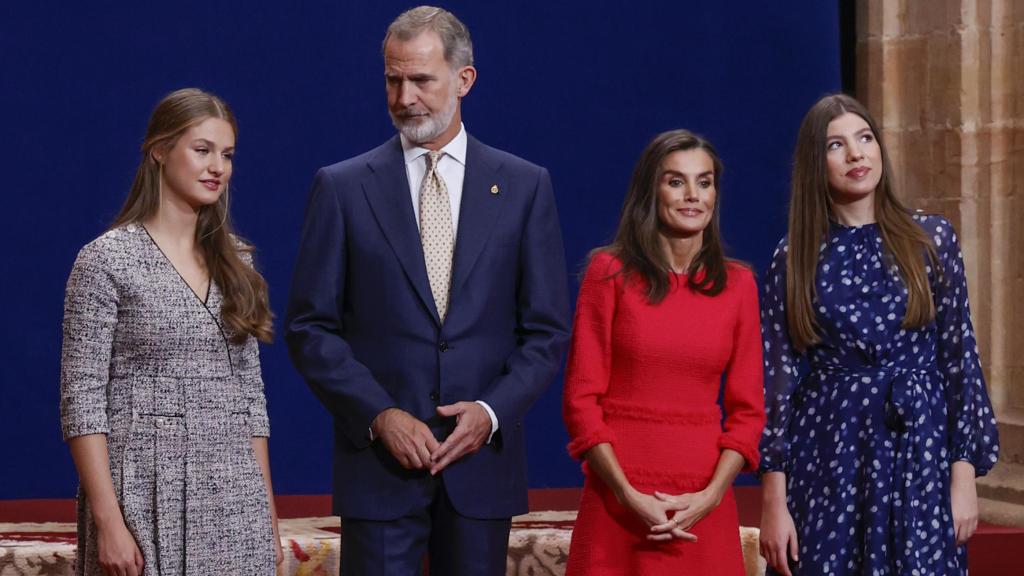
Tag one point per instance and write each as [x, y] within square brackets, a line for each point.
[577, 87]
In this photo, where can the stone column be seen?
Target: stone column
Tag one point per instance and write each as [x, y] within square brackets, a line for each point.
[945, 79]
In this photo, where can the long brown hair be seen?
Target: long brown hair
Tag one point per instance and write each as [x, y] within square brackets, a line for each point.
[637, 242]
[245, 308]
[809, 212]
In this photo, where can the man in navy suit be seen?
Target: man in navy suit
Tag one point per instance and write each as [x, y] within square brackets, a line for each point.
[428, 311]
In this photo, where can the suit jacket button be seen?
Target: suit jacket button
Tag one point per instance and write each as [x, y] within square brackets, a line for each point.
[434, 396]
[443, 346]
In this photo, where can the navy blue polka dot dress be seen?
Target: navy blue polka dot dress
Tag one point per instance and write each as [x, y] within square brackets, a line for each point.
[868, 423]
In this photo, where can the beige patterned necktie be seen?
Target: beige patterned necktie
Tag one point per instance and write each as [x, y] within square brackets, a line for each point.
[436, 232]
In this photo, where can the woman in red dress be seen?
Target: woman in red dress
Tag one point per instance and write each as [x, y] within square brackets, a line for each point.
[662, 317]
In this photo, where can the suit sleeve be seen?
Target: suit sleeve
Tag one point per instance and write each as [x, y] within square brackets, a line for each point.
[542, 309]
[744, 379]
[314, 328]
[588, 371]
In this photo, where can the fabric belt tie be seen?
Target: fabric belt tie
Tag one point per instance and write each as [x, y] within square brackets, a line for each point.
[905, 406]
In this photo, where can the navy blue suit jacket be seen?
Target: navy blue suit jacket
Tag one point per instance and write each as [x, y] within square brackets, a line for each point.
[363, 330]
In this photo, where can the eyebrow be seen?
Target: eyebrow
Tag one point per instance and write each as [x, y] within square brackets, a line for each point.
[414, 77]
[211, 143]
[857, 133]
[678, 173]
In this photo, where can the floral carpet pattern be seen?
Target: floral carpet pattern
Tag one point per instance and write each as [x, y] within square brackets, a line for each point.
[538, 546]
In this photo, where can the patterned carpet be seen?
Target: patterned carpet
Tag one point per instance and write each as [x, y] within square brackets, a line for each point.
[538, 546]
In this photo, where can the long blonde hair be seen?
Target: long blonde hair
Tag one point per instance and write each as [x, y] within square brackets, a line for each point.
[246, 307]
[809, 211]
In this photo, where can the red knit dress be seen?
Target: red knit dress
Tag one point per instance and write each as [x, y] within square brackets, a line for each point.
[646, 378]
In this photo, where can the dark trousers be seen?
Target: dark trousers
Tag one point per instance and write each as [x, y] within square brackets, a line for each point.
[454, 544]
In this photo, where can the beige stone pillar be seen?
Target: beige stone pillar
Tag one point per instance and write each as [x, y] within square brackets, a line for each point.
[945, 79]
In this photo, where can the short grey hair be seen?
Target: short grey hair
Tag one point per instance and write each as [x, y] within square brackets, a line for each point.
[458, 47]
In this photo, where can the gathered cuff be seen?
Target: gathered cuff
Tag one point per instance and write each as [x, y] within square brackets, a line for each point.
[751, 457]
[771, 465]
[977, 444]
[579, 445]
[982, 466]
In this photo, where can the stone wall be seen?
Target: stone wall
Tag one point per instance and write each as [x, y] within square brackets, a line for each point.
[945, 79]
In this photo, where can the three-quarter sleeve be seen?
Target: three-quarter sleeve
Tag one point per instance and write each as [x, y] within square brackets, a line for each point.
[744, 382]
[90, 319]
[781, 366]
[590, 357]
[251, 379]
[249, 371]
[973, 434]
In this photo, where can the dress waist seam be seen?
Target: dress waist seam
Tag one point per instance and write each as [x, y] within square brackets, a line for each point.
[648, 413]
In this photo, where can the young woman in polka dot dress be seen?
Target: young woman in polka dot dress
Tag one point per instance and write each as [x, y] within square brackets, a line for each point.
[878, 418]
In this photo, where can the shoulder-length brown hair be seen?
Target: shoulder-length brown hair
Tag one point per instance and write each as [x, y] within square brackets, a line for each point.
[810, 210]
[637, 242]
[245, 308]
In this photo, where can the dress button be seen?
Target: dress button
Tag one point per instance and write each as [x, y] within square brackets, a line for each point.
[434, 396]
[159, 422]
[443, 346]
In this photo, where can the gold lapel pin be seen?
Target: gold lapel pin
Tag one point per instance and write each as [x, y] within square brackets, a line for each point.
[494, 189]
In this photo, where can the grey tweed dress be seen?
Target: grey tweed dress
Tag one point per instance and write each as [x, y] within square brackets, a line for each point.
[148, 363]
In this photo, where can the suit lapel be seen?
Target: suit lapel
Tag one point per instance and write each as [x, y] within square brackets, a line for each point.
[387, 192]
[478, 211]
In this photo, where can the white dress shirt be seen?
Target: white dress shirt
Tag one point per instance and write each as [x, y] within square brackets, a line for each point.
[452, 169]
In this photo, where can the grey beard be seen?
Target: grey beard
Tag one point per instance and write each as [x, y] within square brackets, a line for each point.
[429, 129]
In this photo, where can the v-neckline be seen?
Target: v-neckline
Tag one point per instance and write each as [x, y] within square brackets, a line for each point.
[209, 281]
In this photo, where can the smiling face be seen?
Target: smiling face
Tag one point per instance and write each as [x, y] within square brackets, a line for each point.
[686, 193]
[197, 168]
[854, 158]
[423, 90]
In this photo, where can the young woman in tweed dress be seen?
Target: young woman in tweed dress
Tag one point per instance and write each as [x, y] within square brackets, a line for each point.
[161, 395]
